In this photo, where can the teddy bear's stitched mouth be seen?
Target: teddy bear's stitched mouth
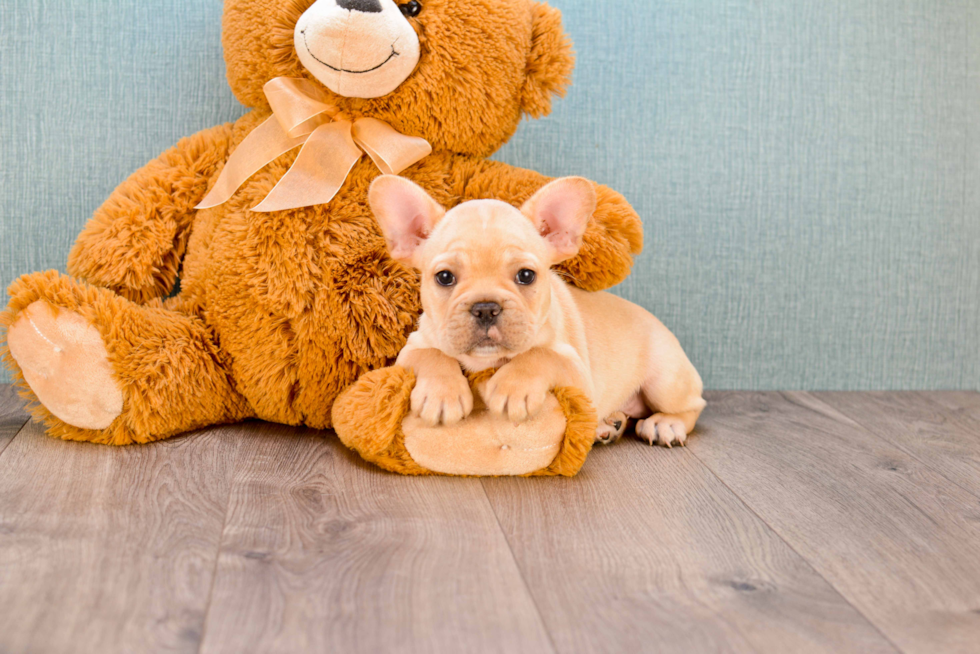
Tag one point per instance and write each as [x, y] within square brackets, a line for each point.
[393, 54]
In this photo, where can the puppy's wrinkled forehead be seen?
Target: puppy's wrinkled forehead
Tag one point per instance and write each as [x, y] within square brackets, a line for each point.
[482, 232]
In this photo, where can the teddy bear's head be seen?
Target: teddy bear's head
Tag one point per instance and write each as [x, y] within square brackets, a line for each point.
[457, 73]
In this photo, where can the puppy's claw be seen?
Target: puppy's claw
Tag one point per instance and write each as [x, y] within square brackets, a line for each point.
[519, 399]
[497, 403]
[431, 413]
[442, 401]
[662, 429]
[517, 411]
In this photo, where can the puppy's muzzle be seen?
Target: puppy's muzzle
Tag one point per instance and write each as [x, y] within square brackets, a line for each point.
[486, 313]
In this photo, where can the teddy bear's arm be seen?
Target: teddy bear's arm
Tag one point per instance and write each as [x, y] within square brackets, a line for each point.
[613, 238]
[134, 243]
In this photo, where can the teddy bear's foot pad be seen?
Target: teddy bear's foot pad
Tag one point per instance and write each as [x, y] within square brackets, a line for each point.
[65, 362]
[486, 444]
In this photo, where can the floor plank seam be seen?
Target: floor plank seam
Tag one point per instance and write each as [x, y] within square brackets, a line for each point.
[810, 565]
[20, 431]
[217, 556]
[517, 565]
[898, 446]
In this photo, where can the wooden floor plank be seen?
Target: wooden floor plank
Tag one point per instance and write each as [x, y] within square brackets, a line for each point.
[646, 551]
[109, 549]
[923, 425]
[958, 402]
[12, 415]
[727, 545]
[898, 540]
[324, 553]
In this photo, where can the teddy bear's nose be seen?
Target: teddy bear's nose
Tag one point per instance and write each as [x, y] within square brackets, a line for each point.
[367, 6]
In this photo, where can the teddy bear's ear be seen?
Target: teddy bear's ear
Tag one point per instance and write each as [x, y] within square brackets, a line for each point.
[549, 63]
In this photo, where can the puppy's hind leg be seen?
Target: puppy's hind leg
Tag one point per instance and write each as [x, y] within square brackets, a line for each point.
[671, 391]
[611, 429]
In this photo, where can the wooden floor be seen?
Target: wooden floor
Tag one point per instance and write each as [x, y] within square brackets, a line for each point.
[793, 522]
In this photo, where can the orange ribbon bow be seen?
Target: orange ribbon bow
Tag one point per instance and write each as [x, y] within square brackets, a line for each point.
[331, 147]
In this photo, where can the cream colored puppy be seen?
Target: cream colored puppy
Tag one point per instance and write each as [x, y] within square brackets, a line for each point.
[490, 300]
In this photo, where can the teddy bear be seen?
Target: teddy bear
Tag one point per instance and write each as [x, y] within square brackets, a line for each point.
[241, 274]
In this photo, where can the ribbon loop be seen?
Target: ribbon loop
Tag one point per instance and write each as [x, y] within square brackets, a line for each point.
[319, 171]
[265, 144]
[303, 115]
[389, 149]
[298, 105]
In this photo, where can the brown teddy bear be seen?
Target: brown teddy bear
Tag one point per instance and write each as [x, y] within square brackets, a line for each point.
[286, 293]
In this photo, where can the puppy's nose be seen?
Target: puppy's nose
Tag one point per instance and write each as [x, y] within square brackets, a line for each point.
[485, 313]
[367, 6]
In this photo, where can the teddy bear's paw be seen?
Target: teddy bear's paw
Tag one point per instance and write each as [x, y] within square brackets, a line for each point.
[65, 362]
[442, 399]
[662, 429]
[611, 429]
[487, 443]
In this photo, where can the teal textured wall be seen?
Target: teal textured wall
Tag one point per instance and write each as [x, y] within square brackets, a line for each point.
[808, 171]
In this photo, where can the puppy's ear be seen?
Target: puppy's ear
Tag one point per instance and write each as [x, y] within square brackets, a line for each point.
[406, 214]
[549, 63]
[561, 211]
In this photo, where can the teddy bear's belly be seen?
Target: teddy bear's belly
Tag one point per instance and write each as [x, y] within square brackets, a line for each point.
[303, 301]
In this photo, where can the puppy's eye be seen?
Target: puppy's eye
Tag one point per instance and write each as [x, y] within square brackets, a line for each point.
[446, 278]
[526, 277]
[411, 9]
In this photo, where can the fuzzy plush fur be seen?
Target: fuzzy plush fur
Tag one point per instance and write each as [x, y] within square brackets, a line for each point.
[278, 313]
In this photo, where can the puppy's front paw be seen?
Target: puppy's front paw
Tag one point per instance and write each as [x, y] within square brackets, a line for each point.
[662, 429]
[442, 399]
[517, 396]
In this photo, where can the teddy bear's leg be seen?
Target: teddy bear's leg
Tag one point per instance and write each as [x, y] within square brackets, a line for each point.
[110, 371]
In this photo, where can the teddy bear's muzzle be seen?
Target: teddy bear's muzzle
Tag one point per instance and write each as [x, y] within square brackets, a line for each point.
[367, 6]
[357, 48]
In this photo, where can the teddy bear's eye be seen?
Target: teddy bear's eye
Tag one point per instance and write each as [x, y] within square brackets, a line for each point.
[446, 278]
[411, 9]
[526, 277]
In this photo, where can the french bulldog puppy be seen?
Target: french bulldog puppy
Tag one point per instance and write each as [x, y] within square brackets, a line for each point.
[491, 300]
